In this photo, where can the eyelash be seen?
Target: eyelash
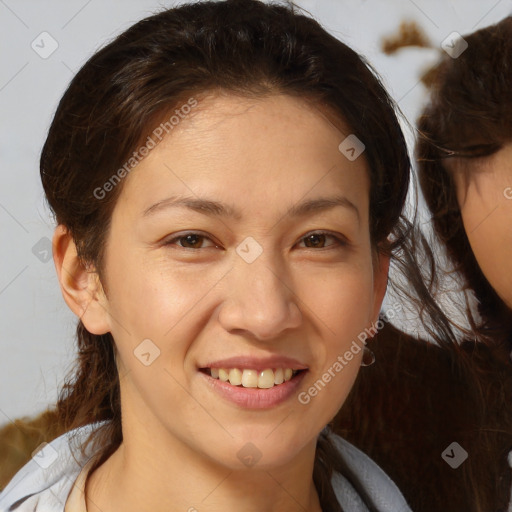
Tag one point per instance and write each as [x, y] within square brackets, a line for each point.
[340, 241]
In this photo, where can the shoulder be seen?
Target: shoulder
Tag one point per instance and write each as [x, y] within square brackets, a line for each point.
[44, 483]
[364, 486]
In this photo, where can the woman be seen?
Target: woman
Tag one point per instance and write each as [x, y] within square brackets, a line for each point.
[227, 202]
[464, 154]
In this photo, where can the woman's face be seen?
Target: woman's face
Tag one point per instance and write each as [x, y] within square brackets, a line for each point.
[241, 244]
[484, 192]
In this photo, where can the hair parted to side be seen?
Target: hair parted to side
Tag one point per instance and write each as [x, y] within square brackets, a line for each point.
[469, 116]
[242, 47]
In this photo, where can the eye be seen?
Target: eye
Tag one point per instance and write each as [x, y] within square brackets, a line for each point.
[317, 240]
[191, 240]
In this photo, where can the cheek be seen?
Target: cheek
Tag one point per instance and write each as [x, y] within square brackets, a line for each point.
[345, 320]
[156, 314]
[343, 302]
[157, 304]
[151, 300]
[341, 305]
[487, 217]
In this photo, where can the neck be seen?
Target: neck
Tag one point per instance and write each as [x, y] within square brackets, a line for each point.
[146, 476]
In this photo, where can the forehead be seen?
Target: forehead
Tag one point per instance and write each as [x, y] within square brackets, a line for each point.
[278, 147]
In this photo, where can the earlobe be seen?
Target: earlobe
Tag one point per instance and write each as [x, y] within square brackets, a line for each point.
[81, 287]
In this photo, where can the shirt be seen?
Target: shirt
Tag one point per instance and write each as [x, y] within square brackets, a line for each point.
[54, 479]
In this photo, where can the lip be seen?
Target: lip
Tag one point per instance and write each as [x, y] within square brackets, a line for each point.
[254, 398]
[256, 363]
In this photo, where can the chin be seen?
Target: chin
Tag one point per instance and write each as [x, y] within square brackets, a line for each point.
[264, 452]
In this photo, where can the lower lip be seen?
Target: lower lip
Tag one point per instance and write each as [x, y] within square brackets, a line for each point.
[255, 398]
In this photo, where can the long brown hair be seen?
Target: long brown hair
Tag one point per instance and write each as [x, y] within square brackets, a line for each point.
[243, 47]
[469, 116]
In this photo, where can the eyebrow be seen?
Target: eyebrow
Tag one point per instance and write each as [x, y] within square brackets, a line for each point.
[215, 208]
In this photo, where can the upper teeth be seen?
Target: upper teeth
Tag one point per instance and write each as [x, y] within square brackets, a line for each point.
[252, 378]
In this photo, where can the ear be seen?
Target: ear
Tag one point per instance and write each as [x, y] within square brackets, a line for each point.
[80, 286]
[380, 283]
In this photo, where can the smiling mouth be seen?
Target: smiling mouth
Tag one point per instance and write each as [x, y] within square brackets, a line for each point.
[248, 378]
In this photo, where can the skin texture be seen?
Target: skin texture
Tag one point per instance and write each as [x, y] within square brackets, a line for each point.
[484, 194]
[200, 302]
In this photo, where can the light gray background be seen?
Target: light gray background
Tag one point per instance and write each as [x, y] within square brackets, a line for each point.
[36, 327]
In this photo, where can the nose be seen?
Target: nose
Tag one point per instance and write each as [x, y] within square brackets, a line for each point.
[259, 303]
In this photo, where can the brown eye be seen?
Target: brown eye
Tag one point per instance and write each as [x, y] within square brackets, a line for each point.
[315, 240]
[189, 241]
[318, 240]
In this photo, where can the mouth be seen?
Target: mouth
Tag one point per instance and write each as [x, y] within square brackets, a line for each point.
[251, 378]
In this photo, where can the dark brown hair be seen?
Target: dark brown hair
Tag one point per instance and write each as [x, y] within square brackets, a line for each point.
[242, 47]
[469, 116]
